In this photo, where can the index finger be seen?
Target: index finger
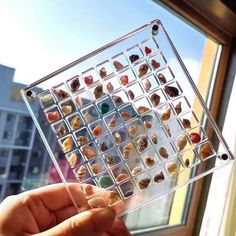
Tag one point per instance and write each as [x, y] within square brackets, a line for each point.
[57, 196]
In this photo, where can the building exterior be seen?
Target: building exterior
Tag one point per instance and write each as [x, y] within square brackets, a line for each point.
[23, 158]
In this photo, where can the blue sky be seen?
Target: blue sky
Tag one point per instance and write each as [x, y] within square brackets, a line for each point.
[38, 37]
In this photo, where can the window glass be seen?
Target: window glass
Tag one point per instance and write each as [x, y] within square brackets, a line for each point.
[24, 131]
[17, 166]
[4, 153]
[8, 131]
[46, 40]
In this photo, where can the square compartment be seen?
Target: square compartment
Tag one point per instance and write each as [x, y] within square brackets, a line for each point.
[128, 189]
[60, 92]
[46, 99]
[157, 61]
[98, 128]
[135, 166]
[142, 143]
[120, 98]
[112, 84]
[82, 173]
[120, 135]
[105, 180]
[126, 77]
[105, 106]
[75, 84]
[149, 47]
[158, 135]
[67, 143]
[60, 128]
[90, 77]
[181, 105]
[127, 113]
[82, 136]
[113, 120]
[75, 158]
[90, 114]
[157, 98]
[165, 112]
[135, 54]
[128, 150]
[112, 158]
[143, 181]
[173, 167]
[197, 135]
[104, 69]
[189, 159]
[189, 120]
[173, 90]
[97, 91]
[142, 69]
[75, 121]
[105, 143]
[150, 121]
[158, 174]
[150, 83]
[90, 151]
[135, 128]
[120, 173]
[205, 151]
[142, 106]
[119, 62]
[150, 158]
[97, 166]
[67, 107]
[53, 114]
[134, 91]
[82, 98]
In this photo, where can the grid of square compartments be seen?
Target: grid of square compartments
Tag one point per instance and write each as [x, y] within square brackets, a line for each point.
[125, 123]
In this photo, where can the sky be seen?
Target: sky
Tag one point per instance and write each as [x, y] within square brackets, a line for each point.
[39, 37]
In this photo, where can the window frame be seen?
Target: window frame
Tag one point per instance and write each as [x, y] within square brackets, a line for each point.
[200, 187]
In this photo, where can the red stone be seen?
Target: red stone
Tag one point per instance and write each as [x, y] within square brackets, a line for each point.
[53, 116]
[88, 79]
[124, 79]
[195, 137]
[147, 50]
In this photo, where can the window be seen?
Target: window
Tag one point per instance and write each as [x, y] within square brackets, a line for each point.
[8, 132]
[4, 154]
[24, 131]
[205, 53]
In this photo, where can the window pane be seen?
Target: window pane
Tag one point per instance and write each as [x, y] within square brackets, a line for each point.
[24, 131]
[4, 154]
[8, 131]
[18, 162]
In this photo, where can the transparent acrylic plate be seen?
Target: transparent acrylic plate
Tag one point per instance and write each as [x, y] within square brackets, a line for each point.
[128, 119]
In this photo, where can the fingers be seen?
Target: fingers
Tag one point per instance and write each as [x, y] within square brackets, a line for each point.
[55, 196]
[118, 229]
[89, 223]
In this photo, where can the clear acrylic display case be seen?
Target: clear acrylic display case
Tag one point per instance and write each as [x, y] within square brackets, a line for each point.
[128, 119]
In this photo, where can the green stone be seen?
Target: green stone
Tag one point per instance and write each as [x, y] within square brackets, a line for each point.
[104, 107]
[105, 181]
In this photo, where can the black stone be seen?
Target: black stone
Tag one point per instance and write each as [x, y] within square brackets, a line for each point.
[133, 58]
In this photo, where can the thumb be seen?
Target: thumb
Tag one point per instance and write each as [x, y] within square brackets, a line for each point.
[88, 223]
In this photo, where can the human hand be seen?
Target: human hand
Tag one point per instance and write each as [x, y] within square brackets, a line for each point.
[50, 211]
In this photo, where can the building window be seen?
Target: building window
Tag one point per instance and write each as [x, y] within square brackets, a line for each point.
[4, 154]
[24, 131]
[8, 132]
